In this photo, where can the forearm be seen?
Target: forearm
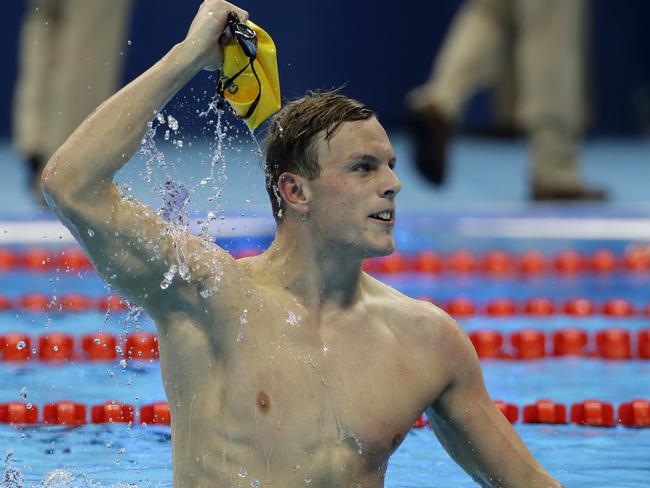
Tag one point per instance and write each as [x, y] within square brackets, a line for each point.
[107, 139]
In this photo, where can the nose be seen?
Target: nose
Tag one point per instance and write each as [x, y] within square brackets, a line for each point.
[390, 184]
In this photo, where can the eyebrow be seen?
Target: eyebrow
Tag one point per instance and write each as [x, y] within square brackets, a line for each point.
[368, 158]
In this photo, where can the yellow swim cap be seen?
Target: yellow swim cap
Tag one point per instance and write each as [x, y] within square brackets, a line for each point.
[244, 88]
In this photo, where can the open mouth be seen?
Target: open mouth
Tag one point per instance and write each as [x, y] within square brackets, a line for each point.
[385, 216]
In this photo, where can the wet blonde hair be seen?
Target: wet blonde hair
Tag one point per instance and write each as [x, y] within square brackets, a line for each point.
[289, 141]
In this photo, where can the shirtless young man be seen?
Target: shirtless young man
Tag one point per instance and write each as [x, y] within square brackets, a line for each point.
[333, 367]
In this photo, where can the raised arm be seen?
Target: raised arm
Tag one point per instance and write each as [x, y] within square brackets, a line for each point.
[128, 243]
[473, 431]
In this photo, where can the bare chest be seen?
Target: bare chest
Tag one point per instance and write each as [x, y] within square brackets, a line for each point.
[351, 386]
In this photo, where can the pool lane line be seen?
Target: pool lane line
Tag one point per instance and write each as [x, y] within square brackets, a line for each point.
[611, 343]
[594, 413]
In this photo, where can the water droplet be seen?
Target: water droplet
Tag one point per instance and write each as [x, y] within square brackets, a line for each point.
[91, 233]
[255, 483]
[21, 345]
[172, 122]
[326, 348]
[23, 392]
[242, 473]
[292, 319]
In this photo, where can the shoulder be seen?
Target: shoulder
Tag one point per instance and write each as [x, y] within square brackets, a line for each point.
[418, 318]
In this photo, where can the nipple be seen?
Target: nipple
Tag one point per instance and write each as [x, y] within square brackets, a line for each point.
[263, 402]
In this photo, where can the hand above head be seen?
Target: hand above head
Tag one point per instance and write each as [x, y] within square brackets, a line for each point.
[206, 30]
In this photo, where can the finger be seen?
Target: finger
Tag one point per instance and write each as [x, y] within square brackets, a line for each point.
[241, 13]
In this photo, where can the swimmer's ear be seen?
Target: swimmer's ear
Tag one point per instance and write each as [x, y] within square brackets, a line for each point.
[294, 192]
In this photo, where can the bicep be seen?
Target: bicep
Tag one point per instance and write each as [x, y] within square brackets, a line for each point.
[473, 430]
[138, 254]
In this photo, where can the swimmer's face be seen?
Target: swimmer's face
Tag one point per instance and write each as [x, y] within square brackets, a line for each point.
[353, 199]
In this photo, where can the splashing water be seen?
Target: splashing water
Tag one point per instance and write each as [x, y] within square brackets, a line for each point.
[243, 320]
[12, 477]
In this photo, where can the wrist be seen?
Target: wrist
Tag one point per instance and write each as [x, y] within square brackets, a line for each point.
[194, 53]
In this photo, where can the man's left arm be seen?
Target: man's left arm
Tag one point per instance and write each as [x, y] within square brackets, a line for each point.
[473, 430]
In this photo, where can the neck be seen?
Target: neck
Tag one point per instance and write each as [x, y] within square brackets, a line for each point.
[318, 274]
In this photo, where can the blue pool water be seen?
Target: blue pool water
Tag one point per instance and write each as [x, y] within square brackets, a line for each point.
[121, 455]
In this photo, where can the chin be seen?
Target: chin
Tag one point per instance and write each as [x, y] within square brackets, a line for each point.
[381, 251]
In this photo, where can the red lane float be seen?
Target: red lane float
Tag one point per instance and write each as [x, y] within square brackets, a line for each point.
[99, 346]
[497, 263]
[18, 413]
[501, 307]
[544, 412]
[112, 303]
[532, 263]
[593, 413]
[71, 259]
[64, 413]
[635, 413]
[579, 307]
[509, 410]
[603, 261]
[422, 421]
[461, 261]
[8, 259]
[112, 412]
[460, 308]
[36, 259]
[637, 259]
[643, 342]
[156, 413]
[569, 262]
[56, 347]
[15, 346]
[427, 262]
[488, 344]
[35, 302]
[142, 345]
[618, 308]
[5, 303]
[614, 343]
[539, 307]
[75, 302]
[570, 342]
[529, 344]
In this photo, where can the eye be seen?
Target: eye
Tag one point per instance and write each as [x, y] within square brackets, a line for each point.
[363, 167]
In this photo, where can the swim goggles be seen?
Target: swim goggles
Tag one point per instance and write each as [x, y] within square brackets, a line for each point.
[249, 76]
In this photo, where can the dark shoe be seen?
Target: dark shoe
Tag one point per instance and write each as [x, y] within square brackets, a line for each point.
[569, 194]
[35, 164]
[431, 132]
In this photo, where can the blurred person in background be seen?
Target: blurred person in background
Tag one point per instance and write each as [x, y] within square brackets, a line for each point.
[543, 43]
[70, 60]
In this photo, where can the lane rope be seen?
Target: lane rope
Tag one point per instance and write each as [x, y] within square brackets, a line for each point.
[612, 343]
[594, 413]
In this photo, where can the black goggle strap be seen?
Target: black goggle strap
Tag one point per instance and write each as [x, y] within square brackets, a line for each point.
[225, 84]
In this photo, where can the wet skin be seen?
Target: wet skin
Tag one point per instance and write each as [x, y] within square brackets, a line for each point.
[294, 368]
